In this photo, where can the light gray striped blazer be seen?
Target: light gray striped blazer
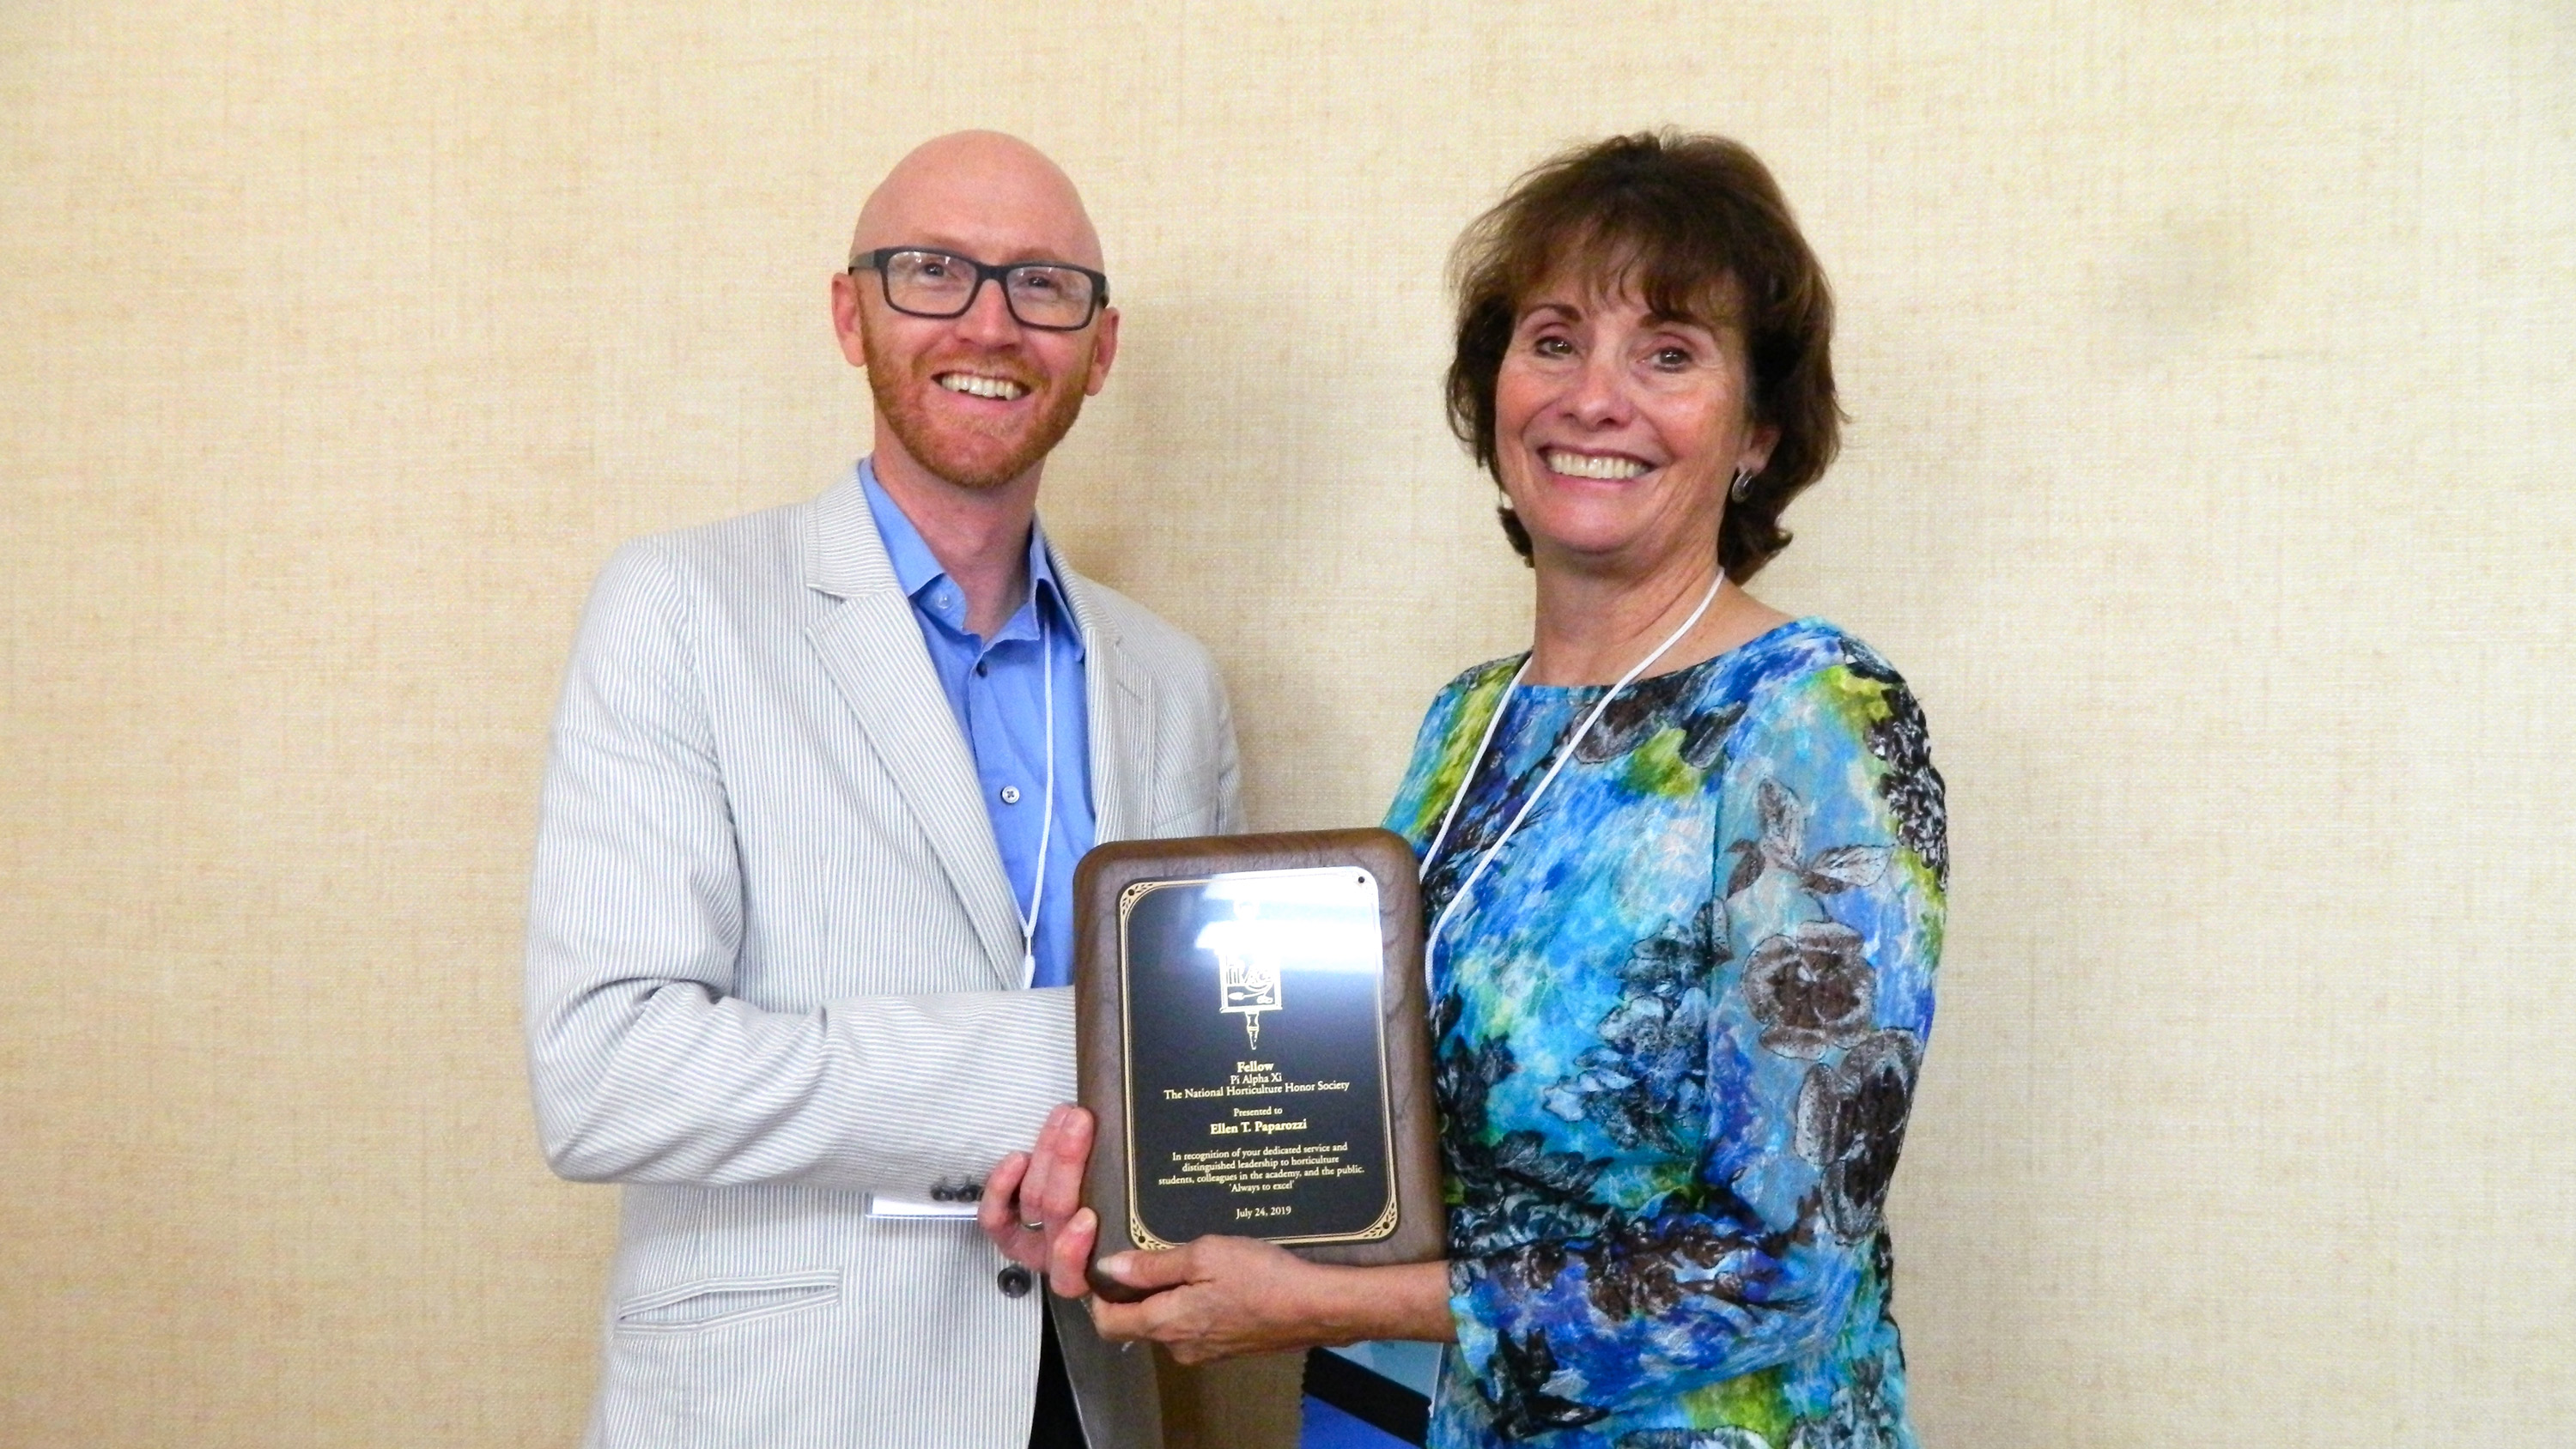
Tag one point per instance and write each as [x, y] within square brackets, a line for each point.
[772, 967]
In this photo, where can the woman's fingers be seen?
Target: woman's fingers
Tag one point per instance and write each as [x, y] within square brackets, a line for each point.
[1116, 1322]
[1212, 1299]
[1150, 1271]
[1147, 1272]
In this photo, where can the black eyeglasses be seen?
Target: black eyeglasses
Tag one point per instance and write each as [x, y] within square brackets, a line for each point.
[1049, 296]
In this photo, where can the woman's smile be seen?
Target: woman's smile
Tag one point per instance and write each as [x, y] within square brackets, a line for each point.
[1572, 464]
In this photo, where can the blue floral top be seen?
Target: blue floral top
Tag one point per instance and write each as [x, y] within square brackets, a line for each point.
[1676, 1026]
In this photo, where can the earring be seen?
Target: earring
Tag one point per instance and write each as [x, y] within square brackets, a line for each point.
[1742, 485]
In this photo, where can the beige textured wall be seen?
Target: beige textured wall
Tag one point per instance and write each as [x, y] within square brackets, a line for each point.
[2211, 377]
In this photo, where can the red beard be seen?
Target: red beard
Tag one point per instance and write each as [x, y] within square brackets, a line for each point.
[959, 450]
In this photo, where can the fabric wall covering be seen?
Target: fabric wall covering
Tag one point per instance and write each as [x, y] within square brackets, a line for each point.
[2212, 371]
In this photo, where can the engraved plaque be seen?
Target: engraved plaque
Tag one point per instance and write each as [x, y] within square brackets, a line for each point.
[1253, 1045]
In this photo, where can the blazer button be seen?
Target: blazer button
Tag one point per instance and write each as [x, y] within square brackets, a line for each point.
[1014, 1281]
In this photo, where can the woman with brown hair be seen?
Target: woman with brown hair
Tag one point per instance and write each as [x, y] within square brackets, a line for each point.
[1685, 868]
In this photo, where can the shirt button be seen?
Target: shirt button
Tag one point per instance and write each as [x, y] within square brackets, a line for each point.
[983, 667]
[1014, 1281]
[1010, 794]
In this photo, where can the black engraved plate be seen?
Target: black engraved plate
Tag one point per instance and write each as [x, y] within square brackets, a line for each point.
[1252, 1044]
[1258, 1107]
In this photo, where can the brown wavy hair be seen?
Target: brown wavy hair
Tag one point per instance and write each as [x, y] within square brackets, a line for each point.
[1694, 227]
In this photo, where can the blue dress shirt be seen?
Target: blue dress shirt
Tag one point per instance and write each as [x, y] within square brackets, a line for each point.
[996, 688]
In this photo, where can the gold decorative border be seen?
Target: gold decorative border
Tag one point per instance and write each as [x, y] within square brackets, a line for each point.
[1137, 1232]
[1145, 1237]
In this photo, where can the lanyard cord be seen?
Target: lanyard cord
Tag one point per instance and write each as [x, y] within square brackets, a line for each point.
[1431, 942]
[1046, 826]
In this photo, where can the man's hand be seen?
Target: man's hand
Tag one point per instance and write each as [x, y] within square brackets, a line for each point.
[1032, 1204]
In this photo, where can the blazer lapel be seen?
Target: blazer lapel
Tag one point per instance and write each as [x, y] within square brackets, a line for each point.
[1118, 697]
[871, 646]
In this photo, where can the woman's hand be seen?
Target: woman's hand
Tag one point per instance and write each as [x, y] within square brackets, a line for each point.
[1215, 1298]
[1220, 1297]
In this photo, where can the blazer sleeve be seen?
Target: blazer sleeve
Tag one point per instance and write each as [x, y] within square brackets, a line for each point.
[645, 1067]
[1229, 763]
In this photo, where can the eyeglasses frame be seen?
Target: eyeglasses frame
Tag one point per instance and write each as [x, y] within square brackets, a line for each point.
[875, 261]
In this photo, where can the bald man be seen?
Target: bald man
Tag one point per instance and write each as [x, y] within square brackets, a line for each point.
[801, 923]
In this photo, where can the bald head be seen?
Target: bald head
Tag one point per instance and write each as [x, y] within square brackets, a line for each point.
[968, 404]
[982, 194]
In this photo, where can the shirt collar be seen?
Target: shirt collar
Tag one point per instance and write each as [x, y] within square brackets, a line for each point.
[918, 574]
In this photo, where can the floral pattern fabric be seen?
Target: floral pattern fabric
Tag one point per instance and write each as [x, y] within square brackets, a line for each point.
[1676, 1026]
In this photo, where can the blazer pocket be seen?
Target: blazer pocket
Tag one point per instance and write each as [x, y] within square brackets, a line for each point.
[720, 1302]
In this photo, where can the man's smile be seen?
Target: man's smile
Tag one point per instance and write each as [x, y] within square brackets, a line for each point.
[976, 384]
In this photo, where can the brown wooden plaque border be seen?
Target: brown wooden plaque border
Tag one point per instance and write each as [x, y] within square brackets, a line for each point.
[1420, 1231]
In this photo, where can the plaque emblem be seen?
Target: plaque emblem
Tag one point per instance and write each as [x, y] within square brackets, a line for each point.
[1247, 976]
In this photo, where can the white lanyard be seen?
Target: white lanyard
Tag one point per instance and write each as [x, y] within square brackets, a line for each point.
[1431, 942]
[1046, 826]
